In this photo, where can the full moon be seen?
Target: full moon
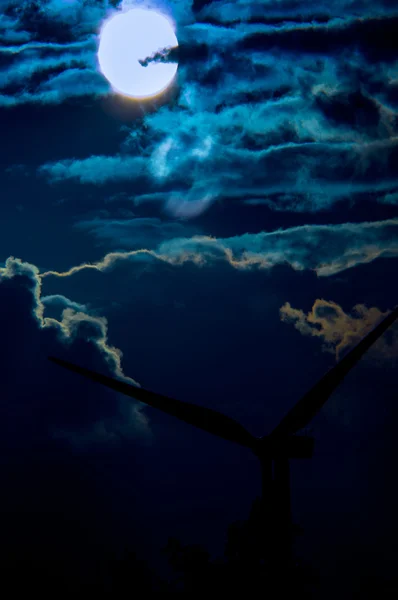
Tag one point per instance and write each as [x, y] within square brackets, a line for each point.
[130, 37]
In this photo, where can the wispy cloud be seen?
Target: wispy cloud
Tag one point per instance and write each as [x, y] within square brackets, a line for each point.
[97, 169]
[63, 302]
[325, 249]
[339, 330]
[133, 233]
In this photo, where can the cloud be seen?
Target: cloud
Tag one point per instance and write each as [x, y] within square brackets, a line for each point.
[133, 233]
[276, 104]
[272, 10]
[49, 403]
[74, 83]
[289, 153]
[49, 51]
[325, 249]
[45, 41]
[10, 31]
[206, 171]
[96, 169]
[23, 70]
[340, 331]
[58, 300]
[390, 198]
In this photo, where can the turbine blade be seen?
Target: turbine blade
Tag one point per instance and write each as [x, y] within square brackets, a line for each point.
[204, 418]
[310, 404]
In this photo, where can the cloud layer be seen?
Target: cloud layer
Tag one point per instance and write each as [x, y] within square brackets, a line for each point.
[325, 249]
[277, 103]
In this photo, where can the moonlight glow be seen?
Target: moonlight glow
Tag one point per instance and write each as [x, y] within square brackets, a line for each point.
[131, 37]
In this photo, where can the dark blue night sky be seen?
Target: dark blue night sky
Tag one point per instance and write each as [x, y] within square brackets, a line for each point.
[223, 244]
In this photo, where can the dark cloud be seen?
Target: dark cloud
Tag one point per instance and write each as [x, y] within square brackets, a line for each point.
[55, 59]
[354, 109]
[61, 441]
[286, 10]
[39, 401]
[374, 36]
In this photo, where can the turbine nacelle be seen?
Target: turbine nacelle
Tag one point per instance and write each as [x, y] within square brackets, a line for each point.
[293, 446]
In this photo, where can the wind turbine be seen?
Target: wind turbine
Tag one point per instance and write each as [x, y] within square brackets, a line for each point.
[278, 447]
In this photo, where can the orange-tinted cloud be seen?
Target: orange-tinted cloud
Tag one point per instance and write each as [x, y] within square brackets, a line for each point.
[339, 330]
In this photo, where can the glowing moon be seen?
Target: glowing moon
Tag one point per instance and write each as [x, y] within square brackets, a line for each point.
[130, 37]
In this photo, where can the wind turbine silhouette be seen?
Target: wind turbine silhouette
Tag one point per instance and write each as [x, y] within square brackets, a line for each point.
[278, 447]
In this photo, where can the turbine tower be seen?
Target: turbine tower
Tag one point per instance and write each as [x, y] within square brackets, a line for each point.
[273, 450]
